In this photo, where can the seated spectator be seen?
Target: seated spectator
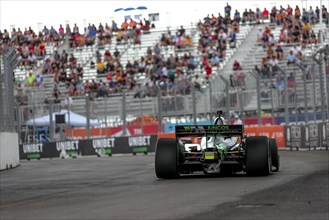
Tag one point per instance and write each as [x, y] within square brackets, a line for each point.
[265, 71]
[271, 40]
[68, 101]
[236, 65]
[116, 53]
[30, 80]
[32, 60]
[100, 67]
[260, 35]
[191, 63]
[282, 37]
[232, 39]
[313, 38]
[208, 70]
[235, 26]
[291, 58]
[270, 52]
[241, 78]
[222, 35]
[305, 37]
[215, 61]
[78, 87]
[291, 80]
[146, 26]
[101, 90]
[197, 82]
[187, 41]
[279, 82]
[38, 80]
[265, 13]
[56, 94]
[299, 58]
[235, 79]
[279, 52]
[273, 63]
[72, 60]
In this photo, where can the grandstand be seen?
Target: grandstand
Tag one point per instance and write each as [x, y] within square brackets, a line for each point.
[175, 102]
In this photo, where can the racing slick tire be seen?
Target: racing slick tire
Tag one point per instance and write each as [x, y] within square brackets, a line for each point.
[167, 158]
[258, 160]
[275, 157]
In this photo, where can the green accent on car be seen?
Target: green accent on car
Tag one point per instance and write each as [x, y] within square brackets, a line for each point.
[218, 127]
[187, 128]
[209, 155]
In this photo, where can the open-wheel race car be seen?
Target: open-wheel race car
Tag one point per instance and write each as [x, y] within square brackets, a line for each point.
[218, 149]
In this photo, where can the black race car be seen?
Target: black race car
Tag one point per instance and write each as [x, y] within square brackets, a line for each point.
[218, 149]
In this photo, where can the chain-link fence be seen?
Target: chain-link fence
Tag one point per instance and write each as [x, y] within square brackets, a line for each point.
[7, 101]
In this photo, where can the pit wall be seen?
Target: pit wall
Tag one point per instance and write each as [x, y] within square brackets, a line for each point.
[9, 150]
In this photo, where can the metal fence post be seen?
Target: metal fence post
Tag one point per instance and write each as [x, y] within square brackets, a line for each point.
[159, 109]
[51, 121]
[106, 130]
[286, 109]
[228, 97]
[124, 114]
[141, 110]
[194, 105]
[323, 92]
[321, 78]
[305, 97]
[259, 108]
[88, 115]
[241, 104]
[210, 99]
[272, 101]
[314, 95]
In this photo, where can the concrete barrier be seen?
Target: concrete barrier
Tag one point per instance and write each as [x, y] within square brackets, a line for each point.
[9, 151]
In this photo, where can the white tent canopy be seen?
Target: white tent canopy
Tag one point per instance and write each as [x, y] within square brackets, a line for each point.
[71, 119]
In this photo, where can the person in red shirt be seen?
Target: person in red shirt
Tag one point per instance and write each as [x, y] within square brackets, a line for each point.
[132, 24]
[289, 11]
[124, 25]
[208, 70]
[265, 13]
[61, 31]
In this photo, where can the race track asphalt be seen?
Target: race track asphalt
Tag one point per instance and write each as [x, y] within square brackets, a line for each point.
[125, 187]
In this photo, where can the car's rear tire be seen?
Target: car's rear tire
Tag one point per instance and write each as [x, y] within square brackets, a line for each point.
[258, 161]
[166, 158]
[275, 157]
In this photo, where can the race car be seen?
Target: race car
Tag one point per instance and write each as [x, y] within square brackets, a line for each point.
[217, 149]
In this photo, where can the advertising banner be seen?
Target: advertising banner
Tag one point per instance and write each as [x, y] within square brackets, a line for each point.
[312, 137]
[275, 131]
[295, 136]
[98, 146]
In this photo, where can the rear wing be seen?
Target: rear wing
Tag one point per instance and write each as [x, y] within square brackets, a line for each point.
[209, 130]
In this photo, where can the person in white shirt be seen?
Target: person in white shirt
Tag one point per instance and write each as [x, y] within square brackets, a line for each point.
[237, 120]
[68, 101]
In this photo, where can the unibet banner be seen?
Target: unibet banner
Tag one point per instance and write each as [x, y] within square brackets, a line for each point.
[98, 147]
